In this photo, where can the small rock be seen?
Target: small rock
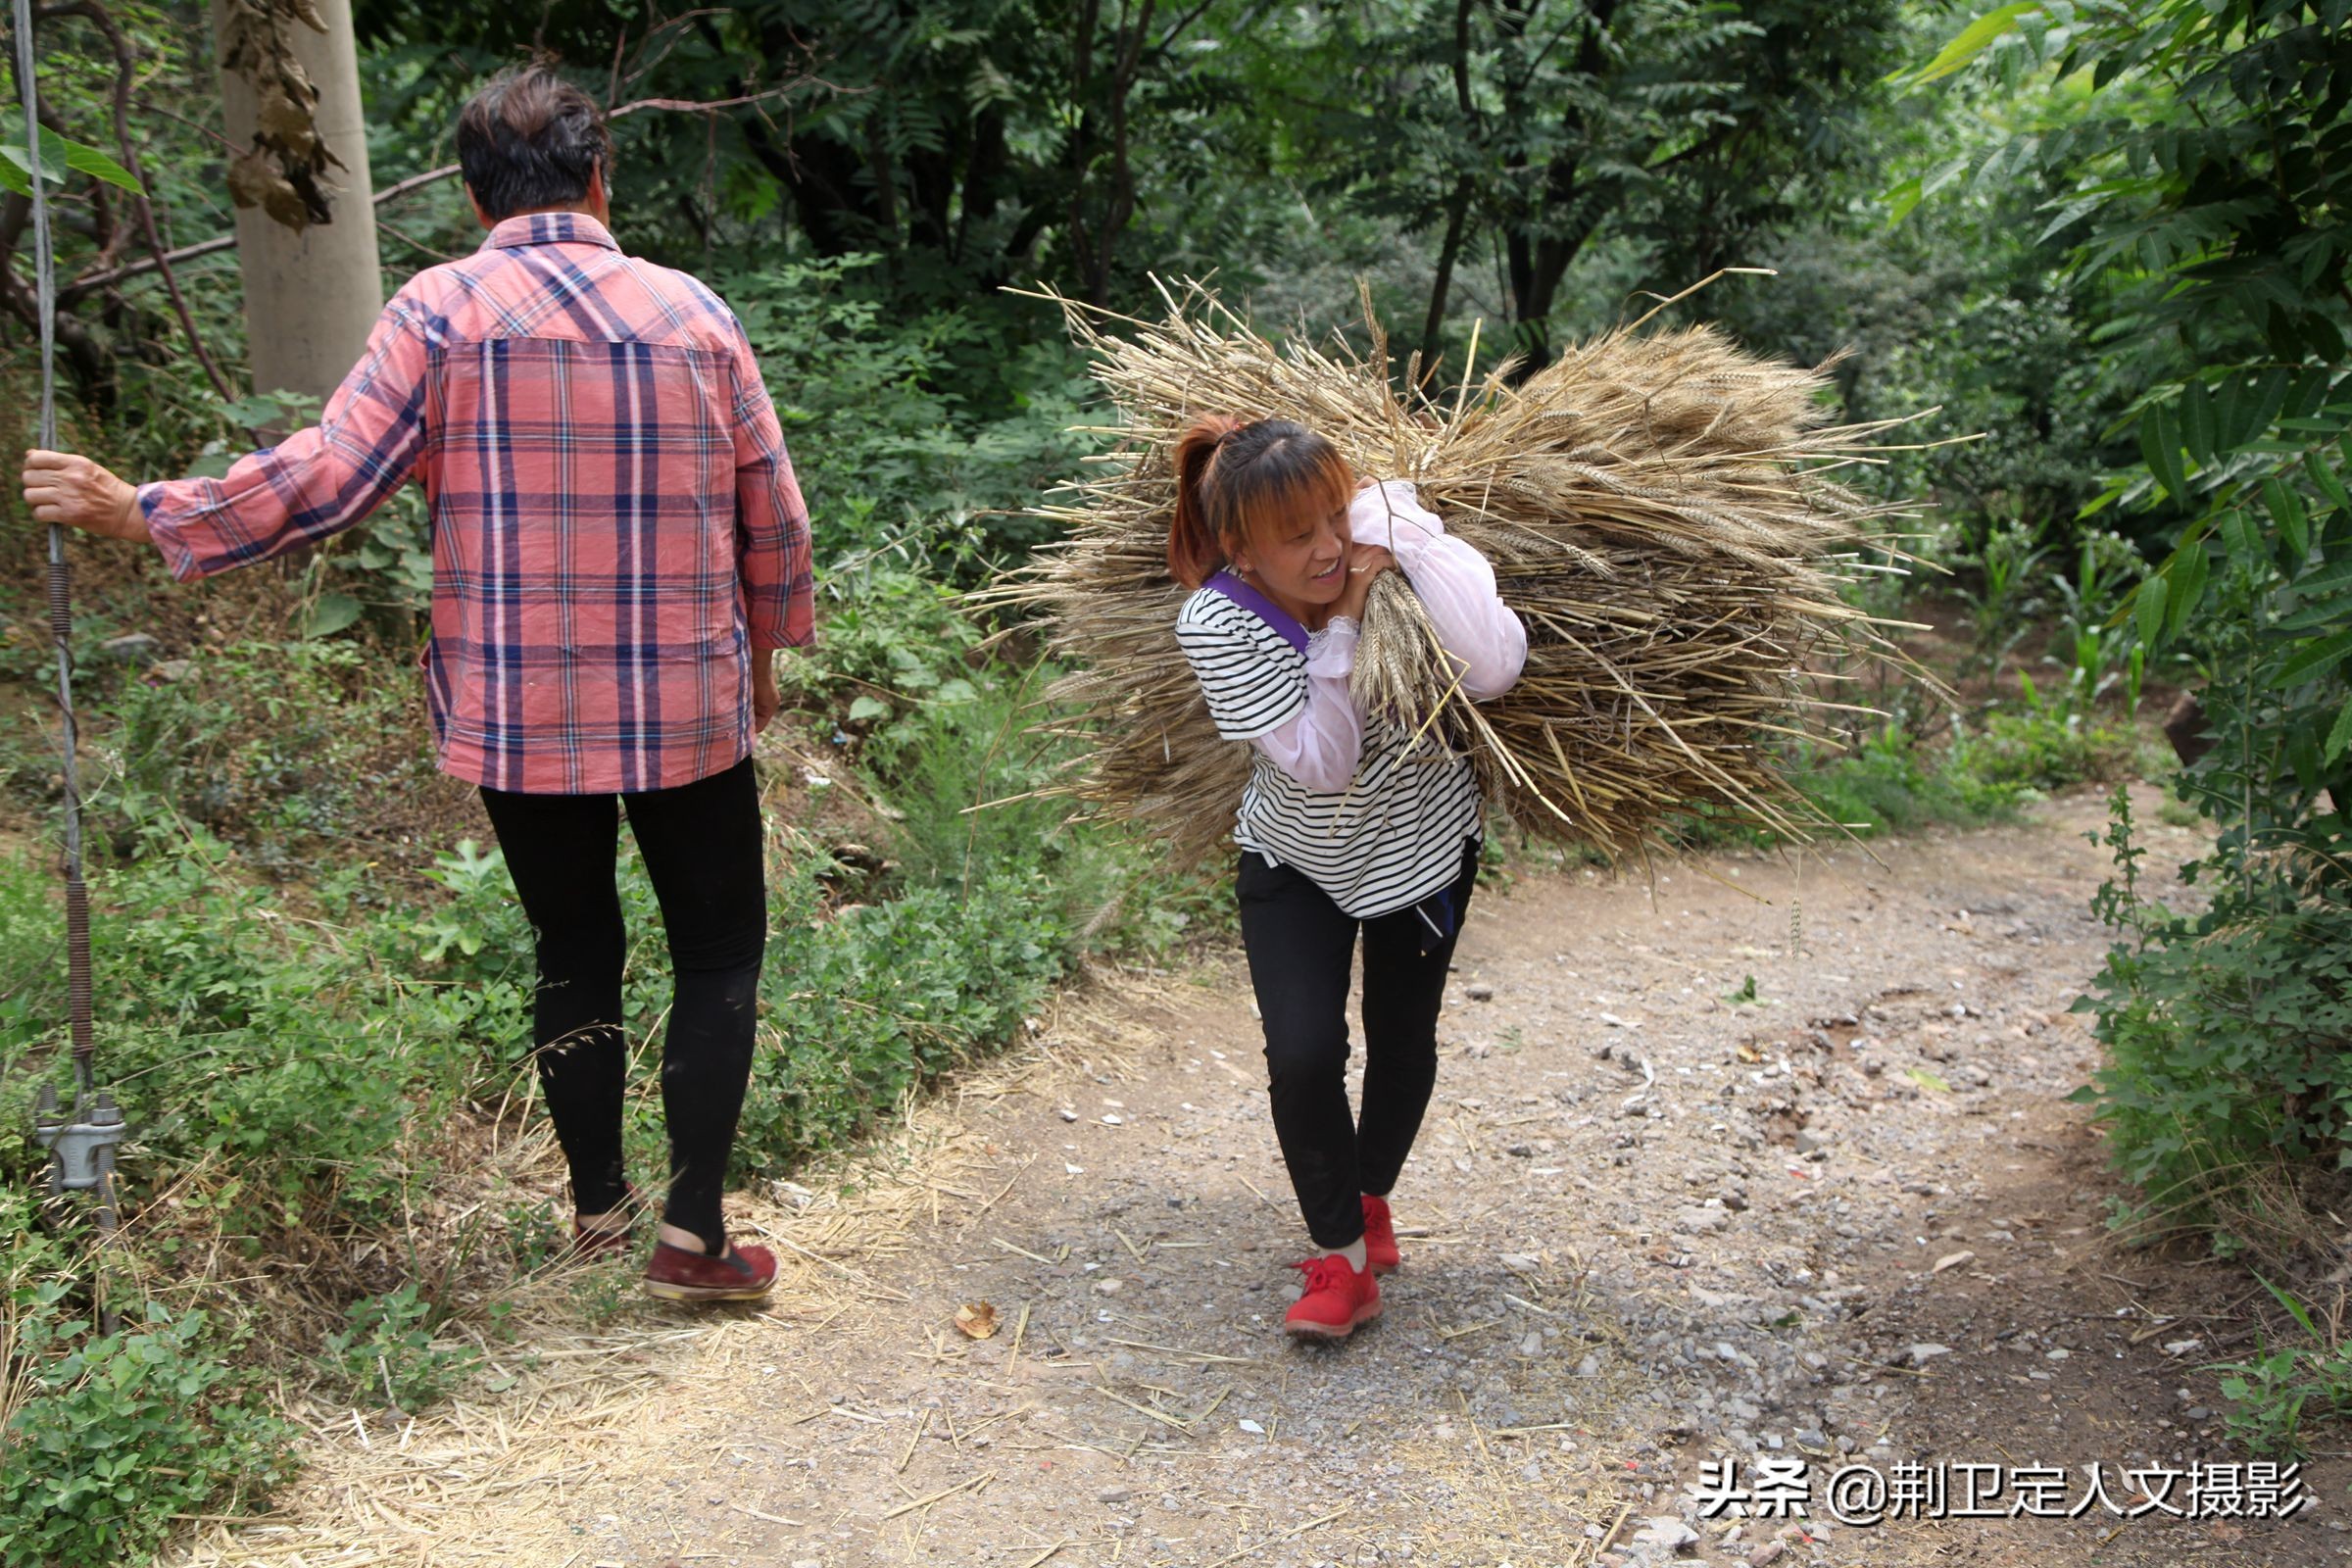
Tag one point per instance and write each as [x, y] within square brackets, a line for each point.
[2180, 1346]
[1110, 1286]
[1067, 1114]
[1479, 991]
[1115, 1493]
[137, 644]
[1922, 1355]
[1952, 1260]
[1532, 1344]
[1769, 1552]
[172, 670]
[1666, 1530]
[2199, 1412]
[1812, 1142]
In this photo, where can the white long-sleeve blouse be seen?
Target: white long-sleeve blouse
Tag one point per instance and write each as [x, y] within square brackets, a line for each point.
[1374, 818]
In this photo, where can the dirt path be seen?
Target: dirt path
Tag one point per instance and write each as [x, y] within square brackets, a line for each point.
[1647, 1227]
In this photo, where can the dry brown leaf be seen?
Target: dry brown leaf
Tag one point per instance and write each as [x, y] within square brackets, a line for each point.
[976, 1320]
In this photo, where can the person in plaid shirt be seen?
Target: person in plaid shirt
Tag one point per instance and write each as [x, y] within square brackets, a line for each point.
[619, 548]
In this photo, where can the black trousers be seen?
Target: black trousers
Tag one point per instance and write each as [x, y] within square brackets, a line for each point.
[701, 848]
[1301, 947]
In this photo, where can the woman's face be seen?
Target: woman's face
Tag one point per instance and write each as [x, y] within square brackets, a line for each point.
[1301, 560]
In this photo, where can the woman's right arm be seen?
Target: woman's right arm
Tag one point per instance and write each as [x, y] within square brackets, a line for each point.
[1304, 721]
[1320, 745]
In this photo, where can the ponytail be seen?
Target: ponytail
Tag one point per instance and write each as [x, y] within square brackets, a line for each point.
[1194, 548]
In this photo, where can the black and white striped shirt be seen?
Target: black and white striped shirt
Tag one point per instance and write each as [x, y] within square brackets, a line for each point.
[1393, 837]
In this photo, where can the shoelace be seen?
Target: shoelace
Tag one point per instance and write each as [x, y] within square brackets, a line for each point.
[1330, 1271]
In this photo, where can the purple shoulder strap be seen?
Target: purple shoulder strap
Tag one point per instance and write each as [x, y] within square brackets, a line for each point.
[1259, 605]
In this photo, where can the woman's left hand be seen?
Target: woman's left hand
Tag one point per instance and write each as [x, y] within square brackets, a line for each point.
[765, 697]
[69, 488]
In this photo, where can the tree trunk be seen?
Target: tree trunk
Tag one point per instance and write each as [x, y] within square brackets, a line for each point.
[310, 297]
[1457, 212]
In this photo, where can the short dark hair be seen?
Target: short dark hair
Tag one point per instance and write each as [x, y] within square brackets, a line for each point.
[531, 139]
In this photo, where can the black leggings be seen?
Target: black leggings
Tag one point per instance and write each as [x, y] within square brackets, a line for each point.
[1301, 947]
[701, 848]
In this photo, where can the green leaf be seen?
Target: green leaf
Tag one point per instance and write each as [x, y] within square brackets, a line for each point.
[331, 614]
[2287, 510]
[14, 179]
[53, 167]
[2160, 445]
[1971, 42]
[2245, 545]
[2339, 735]
[59, 156]
[2151, 598]
[866, 708]
[96, 164]
[2197, 422]
[1927, 1080]
[2186, 576]
[2314, 660]
[2328, 482]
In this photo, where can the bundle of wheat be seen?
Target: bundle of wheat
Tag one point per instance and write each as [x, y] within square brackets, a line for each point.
[1660, 511]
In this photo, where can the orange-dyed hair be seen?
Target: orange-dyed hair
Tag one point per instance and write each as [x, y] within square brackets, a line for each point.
[1238, 479]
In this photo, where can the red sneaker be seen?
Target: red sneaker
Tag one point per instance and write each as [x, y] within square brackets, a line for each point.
[744, 1274]
[1339, 1298]
[1379, 1237]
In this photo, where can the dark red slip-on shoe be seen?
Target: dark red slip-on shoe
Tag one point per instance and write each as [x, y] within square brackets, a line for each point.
[744, 1274]
[1340, 1299]
[1379, 1237]
[594, 1245]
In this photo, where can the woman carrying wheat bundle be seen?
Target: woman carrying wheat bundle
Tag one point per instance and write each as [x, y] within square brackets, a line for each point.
[1350, 822]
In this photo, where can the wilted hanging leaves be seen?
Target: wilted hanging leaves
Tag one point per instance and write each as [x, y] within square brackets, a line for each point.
[283, 172]
[976, 1320]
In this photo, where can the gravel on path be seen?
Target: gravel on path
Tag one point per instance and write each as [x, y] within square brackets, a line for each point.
[1768, 1161]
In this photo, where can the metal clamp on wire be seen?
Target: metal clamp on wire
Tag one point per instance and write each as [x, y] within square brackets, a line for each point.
[82, 1151]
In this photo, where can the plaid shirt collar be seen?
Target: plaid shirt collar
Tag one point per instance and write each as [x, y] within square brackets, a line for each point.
[549, 228]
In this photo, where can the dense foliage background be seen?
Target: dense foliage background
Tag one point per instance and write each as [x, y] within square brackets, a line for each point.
[2107, 237]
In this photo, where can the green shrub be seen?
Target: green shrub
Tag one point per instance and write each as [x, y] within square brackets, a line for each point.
[2044, 749]
[386, 1346]
[284, 750]
[1892, 783]
[2272, 1395]
[959, 409]
[880, 998]
[2225, 1037]
[127, 1431]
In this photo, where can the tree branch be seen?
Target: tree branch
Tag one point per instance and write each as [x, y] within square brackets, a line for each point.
[127, 65]
[91, 283]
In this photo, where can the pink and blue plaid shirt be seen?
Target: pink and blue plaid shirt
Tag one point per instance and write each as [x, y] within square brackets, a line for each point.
[615, 521]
